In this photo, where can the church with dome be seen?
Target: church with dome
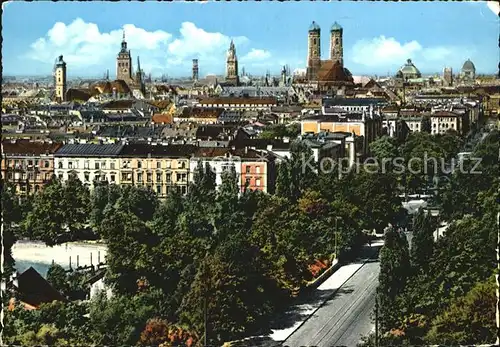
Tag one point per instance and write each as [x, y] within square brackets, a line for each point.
[468, 72]
[329, 73]
[408, 71]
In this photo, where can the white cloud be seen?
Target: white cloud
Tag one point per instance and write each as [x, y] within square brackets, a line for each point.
[256, 55]
[84, 46]
[195, 42]
[383, 52]
[89, 51]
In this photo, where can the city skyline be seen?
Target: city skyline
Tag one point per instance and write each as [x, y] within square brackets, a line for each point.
[168, 38]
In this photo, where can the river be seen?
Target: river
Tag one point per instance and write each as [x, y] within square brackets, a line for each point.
[40, 256]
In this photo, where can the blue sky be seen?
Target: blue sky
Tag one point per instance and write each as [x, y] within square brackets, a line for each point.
[378, 36]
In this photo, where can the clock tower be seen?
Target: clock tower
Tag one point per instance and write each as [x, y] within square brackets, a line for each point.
[124, 63]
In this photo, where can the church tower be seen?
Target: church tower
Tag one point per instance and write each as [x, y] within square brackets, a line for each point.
[313, 51]
[232, 65]
[60, 79]
[139, 78]
[124, 63]
[336, 46]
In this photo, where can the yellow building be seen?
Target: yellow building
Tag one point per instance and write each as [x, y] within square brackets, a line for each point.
[161, 168]
[361, 125]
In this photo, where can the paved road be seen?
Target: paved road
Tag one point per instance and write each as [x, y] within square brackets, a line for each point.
[346, 317]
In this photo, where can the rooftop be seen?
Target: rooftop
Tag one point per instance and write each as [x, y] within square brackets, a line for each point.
[314, 27]
[141, 150]
[89, 150]
[26, 147]
[336, 27]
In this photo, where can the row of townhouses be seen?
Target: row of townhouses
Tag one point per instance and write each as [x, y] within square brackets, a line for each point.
[31, 165]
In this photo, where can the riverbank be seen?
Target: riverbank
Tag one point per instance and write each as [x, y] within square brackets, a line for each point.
[34, 253]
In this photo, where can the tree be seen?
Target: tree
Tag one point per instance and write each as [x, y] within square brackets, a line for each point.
[59, 213]
[119, 321]
[56, 276]
[232, 286]
[394, 271]
[470, 320]
[422, 242]
[375, 195]
[384, 147]
[159, 332]
[296, 173]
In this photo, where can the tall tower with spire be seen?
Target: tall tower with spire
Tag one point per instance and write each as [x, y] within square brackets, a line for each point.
[232, 65]
[124, 63]
[336, 46]
[139, 77]
[60, 79]
[313, 51]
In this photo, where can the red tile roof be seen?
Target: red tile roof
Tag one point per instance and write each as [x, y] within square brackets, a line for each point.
[29, 147]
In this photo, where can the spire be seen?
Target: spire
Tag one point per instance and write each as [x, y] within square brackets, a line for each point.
[231, 46]
[138, 65]
[124, 43]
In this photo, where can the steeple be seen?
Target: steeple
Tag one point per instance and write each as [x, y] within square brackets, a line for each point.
[124, 43]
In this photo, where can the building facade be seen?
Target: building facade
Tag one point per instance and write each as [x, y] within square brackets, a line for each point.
[162, 169]
[28, 165]
[89, 163]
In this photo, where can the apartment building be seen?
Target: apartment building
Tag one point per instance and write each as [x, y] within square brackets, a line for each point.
[28, 165]
[89, 162]
[254, 170]
[240, 104]
[161, 168]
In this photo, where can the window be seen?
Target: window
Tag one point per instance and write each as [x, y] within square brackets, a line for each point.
[158, 177]
[96, 165]
[158, 164]
[150, 177]
[158, 189]
[182, 165]
[112, 165]
[86, 164]
[30, 176]
[103, 165]
[47, 177]
[60, 176]
[169, 177]
[60, 165]
[86, 175]
[9, 175]
[30, 162]
[70, 164]
[139, 177]
[247, 181]
[183, 190]
[257, 182]
[247, 169]
[112, 177]
[139, 164]
[257, 169]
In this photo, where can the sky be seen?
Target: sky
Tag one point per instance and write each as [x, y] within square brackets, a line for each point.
[378, 36]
